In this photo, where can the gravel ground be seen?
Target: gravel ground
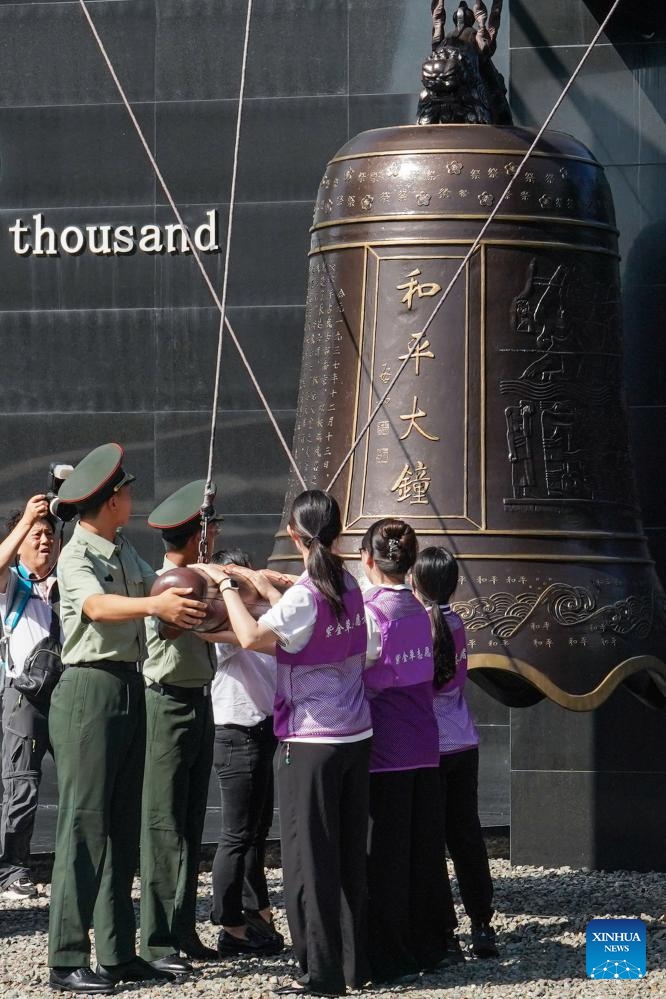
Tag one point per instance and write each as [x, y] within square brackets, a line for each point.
[541, 918]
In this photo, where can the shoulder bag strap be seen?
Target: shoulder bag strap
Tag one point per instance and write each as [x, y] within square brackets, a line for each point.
[13, 615]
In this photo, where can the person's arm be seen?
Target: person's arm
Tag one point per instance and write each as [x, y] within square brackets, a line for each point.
[255, 577]
[280, 578]
[218, 637]
[36, 509]
[85, 592]
[374, 635]
[172, 606]
[250, 634]
[289, 622]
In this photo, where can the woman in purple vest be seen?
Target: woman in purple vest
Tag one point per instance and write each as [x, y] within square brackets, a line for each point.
[411, 913]
[322, 720]
[435, 577]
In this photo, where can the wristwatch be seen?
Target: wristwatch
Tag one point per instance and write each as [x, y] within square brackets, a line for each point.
[228, 584]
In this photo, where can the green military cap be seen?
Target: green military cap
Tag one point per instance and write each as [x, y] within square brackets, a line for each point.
[96, 477]
[182, 510]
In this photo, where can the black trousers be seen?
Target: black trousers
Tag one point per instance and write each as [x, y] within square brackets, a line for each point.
[25, 741]
[410, 903]
[459, 782]
[243, 761]
[323, 792]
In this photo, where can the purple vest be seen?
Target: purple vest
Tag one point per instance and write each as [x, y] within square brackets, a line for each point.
[320, 689]
[457, 730]
[399, 685]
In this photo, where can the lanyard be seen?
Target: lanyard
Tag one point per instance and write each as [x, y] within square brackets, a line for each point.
[13, 616]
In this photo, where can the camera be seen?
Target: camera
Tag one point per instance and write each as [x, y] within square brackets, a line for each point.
[58, 472]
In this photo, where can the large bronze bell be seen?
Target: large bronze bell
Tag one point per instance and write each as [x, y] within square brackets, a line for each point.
[505, 438]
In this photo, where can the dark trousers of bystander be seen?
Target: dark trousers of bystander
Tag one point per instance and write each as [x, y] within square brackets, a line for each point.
[410, 903]
[243, 761]
[25, 741]
[459, 782]
[323, 794]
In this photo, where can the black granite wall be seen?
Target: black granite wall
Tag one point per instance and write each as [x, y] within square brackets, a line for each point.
[588, 789]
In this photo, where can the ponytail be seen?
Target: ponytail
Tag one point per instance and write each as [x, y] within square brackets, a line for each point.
[443, 648]
[315, 518]
[326, 572]
[435, 577]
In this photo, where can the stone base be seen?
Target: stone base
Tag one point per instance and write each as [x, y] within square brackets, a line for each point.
[589, 790]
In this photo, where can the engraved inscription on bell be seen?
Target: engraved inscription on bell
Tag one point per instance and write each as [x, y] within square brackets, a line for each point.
[420, 429]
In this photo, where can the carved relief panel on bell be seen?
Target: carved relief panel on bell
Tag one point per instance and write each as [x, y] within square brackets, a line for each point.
[555, 390]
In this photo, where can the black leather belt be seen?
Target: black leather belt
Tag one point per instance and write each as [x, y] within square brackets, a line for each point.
[252, 730]
[108, 664]
[180, 693]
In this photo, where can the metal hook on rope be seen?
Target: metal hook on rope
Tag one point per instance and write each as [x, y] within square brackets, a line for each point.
[206, 517]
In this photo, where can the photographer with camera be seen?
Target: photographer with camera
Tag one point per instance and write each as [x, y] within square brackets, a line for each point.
[28, 602]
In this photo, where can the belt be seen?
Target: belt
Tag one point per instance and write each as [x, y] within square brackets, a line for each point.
[108, 664]
[180, 693]
[252, 730]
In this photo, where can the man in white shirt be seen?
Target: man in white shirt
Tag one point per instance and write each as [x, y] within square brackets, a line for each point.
[27, 580]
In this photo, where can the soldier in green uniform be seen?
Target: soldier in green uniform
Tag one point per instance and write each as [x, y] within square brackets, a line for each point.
[97, 729]
[179, 756]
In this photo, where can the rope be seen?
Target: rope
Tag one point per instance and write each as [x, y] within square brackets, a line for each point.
[475, 245]
[224, 319]
[225, 279]
[209, 492]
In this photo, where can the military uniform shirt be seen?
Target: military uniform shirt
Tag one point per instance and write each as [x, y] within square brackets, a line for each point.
[187, 661]
[90, 565]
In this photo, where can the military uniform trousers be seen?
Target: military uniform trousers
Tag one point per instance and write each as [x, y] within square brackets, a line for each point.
[25, 741]
[97, 725]
[179, 757]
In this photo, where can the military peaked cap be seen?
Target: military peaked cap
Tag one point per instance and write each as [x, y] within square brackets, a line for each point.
[96, 477]
[182, 510]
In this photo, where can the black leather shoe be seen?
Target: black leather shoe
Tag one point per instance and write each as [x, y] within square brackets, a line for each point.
[251, 945]
[453, 953]
[254, 919]
[408, 978]
[298, 989]
[79, 980]
[136, 970]
[173, 963]
[194, 948]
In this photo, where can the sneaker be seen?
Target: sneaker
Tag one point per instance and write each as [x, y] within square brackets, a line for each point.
[484, 941]
[21, 889]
